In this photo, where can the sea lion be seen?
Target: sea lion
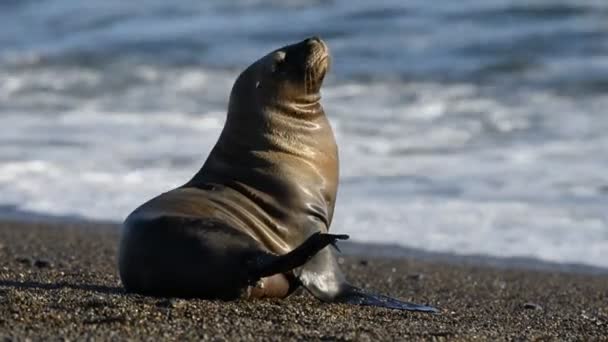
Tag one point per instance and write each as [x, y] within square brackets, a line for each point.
[254, 221]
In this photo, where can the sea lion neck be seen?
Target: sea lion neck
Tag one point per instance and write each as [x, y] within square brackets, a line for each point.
[298, 120]
[307, 107]
[257, 111]
[292, 130]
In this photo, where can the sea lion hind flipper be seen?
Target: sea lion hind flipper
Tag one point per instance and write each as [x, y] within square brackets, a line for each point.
[266, 264]
[322, 277]
[354, 295]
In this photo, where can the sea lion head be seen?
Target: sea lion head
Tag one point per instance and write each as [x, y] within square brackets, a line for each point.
[292, 74]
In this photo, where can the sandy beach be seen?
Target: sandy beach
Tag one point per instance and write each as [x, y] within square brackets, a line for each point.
[59, 281]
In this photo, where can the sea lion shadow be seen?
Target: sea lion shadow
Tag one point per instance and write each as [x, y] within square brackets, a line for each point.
[61, 285]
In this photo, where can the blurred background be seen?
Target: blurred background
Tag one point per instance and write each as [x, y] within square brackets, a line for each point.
[467, 127]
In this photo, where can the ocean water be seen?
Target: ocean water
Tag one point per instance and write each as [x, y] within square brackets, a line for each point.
[466, 127]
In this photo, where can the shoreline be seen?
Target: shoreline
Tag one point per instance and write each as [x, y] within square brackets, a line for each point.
[59, 280]
[9, 214]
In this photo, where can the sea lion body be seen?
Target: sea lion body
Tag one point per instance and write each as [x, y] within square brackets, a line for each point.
[254, 221]
[269, 183]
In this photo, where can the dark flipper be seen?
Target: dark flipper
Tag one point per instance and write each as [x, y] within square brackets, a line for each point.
[322, 277]
[354, 295]
[264, 265]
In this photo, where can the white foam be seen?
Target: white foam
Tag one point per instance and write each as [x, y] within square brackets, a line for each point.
[434, 166]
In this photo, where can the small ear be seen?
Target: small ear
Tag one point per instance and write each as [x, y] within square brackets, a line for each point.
[277, 59]
[257, 84]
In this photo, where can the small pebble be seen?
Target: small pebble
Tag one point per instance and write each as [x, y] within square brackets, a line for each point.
[532, 306]
[41, 263]
[415, 276]
[96, 301]
[24, 260]
[170, 303]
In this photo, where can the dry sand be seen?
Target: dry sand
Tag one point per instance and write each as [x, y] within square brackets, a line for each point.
[59, 281]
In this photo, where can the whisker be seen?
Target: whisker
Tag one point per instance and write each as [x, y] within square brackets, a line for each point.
[311, 80]
[306, 79]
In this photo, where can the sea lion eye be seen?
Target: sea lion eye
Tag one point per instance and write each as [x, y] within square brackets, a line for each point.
[277, 60]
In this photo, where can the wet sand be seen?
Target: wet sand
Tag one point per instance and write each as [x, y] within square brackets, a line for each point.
[59, 280]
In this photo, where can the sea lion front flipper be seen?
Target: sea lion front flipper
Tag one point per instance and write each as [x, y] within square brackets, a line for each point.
[265, 264]
[322, 277]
